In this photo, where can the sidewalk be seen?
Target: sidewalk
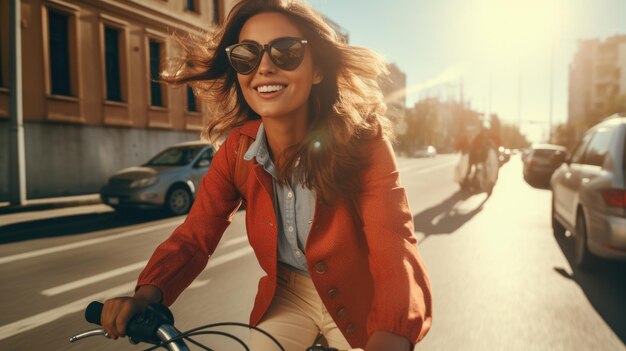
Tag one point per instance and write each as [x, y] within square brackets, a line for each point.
[50, 203]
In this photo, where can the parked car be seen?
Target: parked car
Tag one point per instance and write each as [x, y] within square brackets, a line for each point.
[541, 161]
[170, 180]
[425, 151]
[589, 194]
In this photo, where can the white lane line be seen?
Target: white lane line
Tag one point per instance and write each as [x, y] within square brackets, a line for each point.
[232, 242]
[93, 279]
[217, 261]
[132, 267]
[119, 271]
[40, 319]
[62, 311]
[79, 244]
[426, 170]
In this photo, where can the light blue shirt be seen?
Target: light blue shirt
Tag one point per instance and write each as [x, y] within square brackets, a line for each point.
[294, 205]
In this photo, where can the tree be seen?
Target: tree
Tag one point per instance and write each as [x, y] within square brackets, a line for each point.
[565, 134]
[511, 137]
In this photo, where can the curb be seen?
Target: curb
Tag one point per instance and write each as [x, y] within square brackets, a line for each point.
[51, 203]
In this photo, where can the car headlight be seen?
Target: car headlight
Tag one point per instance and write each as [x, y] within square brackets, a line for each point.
[142, 183]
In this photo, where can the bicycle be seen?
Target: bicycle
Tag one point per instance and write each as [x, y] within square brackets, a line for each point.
[484, 176]
[156, 326]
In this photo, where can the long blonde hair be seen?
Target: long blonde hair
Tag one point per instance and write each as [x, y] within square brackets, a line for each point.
[346, 110]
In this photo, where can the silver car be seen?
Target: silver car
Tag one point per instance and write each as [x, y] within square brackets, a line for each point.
[170, 180]
[425, 151]
[541, 162]
[589, 193]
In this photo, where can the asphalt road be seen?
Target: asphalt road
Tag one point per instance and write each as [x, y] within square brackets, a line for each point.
[500, 279]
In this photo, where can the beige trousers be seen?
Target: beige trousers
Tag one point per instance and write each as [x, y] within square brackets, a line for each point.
[296, 317]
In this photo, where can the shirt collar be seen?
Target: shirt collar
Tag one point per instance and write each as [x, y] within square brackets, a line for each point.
[260, 150]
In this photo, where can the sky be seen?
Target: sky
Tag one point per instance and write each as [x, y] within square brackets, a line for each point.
[510, 56]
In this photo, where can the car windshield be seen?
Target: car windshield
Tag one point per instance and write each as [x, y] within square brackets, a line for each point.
[546, 153]
[175, 156]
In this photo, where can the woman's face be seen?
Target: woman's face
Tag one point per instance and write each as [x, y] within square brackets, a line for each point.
[285, 94]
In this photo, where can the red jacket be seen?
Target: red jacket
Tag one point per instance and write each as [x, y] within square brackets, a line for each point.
[368, 274]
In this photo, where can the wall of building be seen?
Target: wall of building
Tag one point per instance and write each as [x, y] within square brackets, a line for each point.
[4, 160]
[597, 77]
[66, 159]
[74, 142]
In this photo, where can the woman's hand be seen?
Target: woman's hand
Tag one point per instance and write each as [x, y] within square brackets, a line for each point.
[118, 311]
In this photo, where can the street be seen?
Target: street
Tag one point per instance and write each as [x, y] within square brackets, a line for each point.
[501, 280]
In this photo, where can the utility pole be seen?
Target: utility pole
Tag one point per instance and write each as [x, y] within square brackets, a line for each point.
[490, 96]
[17, 176]
[519, 100]
[551, 90]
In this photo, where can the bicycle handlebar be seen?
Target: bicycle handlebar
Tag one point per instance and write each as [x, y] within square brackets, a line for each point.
[153, 326]
[156, 326]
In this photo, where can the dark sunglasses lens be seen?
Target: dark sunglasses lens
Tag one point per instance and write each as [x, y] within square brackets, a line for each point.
[244, 57]
[287, 54]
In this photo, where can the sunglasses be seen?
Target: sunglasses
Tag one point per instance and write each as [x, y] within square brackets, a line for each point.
[286, 53]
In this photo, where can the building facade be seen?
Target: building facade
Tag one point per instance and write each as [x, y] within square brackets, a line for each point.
[394, 91]
[91, 101]
[597, 80]
[91, 104]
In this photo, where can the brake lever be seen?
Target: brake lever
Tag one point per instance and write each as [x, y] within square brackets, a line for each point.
[89, 333]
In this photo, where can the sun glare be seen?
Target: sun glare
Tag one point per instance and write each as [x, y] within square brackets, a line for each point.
[516, 29]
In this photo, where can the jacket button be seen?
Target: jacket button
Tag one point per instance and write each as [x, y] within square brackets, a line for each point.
[321, 267]
[342, 313]
[350, 329]
[332, 293]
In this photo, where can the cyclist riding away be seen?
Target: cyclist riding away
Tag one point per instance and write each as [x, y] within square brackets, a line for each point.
[484, 143]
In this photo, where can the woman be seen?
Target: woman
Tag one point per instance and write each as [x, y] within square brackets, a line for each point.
[326, 215]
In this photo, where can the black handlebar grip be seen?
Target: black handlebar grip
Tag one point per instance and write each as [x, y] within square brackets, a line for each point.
[93, 312]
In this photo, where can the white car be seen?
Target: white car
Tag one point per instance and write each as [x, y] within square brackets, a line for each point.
[425, 151]
[589, 194]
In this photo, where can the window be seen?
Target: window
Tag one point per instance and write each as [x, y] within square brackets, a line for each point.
[577, 155]
[192, 5]
[112, 63]
[156, 89]
[207, 155]
[191, 100]
[175, 156]
[216, 11]
[59, 48]
[4, 42]
[598, 148]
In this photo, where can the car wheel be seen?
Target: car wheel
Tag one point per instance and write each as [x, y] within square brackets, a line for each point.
[557, 228]
[178, 200]
[584, 258]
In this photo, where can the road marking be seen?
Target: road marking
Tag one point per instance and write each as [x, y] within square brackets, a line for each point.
[62, 311]
[232, 242]
[229, 256]
[79, 244]
[140, 265]
[40, 319]
[93, 279]
[425, 170]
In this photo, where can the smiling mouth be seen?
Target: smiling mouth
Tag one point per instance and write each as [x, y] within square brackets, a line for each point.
[270, 88]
